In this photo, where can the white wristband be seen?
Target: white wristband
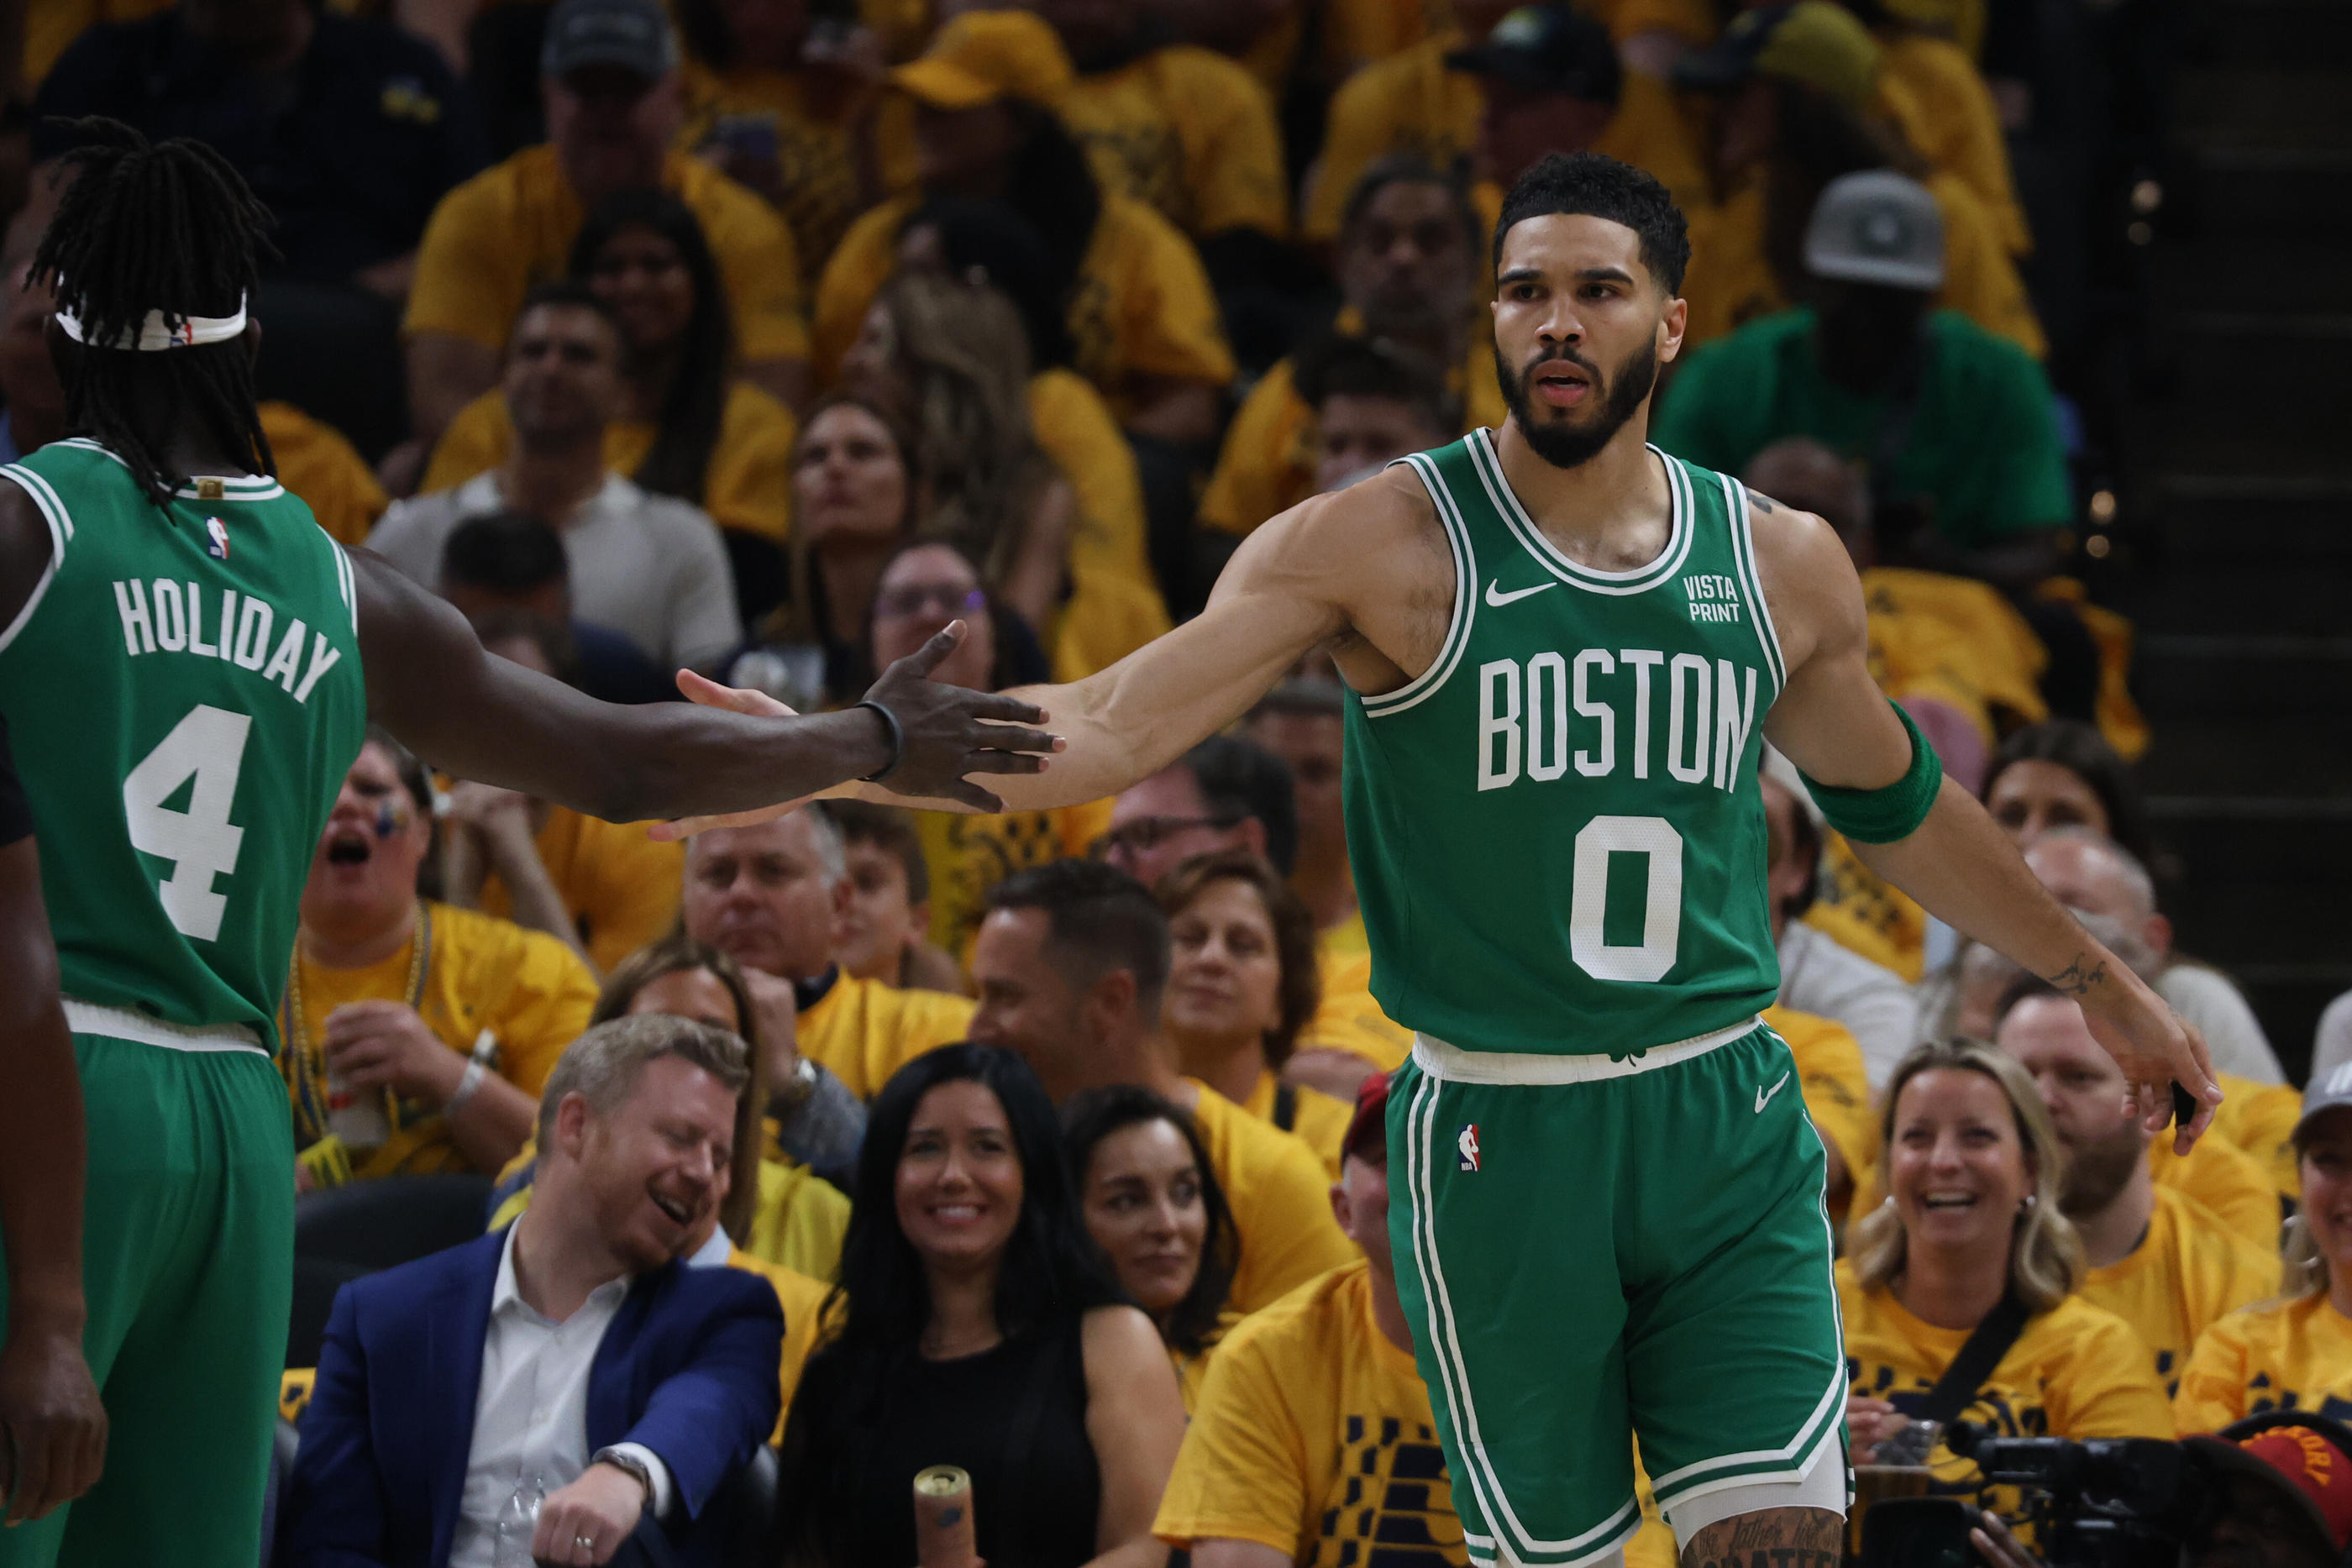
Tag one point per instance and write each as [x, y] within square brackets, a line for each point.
[475, 1074]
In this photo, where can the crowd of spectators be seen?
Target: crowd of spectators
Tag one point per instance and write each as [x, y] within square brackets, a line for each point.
[763, 339]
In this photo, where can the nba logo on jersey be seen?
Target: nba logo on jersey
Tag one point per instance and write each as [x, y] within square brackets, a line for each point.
[1465, 1144]
[215, 538]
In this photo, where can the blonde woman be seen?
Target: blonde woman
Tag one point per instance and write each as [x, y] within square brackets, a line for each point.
[2294, 1352]
[1972, 1217]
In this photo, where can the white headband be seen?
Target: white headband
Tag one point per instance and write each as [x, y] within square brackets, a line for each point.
[156, 333]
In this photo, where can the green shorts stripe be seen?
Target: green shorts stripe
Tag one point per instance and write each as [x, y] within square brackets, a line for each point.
[1641, 1254]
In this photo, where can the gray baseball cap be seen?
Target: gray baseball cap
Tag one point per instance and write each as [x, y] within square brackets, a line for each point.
[2328, 1093]
[1876, 227]
[632, 34]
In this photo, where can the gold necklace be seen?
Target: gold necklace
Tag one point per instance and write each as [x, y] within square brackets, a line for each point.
[309, 1062]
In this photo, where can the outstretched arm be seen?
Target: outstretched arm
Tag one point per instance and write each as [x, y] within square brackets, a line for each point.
[1832, 722]
[489, 719]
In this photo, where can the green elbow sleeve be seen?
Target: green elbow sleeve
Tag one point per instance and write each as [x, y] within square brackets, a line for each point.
[1883, 816]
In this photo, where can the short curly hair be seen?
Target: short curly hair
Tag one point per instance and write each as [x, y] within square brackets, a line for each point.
[1596, 185]
[1300, 991]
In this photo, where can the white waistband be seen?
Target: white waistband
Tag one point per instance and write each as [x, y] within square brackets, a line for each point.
[120, 1023]
[1455, 1065]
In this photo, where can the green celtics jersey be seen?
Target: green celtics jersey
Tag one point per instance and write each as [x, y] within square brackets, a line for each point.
[1558, 839]
[185, 693]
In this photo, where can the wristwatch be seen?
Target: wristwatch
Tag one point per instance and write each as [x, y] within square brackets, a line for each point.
[621, 1459]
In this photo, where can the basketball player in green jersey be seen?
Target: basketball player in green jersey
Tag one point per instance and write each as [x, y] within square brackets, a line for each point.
[187, 663]
[1563, 648]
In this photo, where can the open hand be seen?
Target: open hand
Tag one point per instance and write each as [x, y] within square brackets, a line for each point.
[52, 1426]
[950, 733]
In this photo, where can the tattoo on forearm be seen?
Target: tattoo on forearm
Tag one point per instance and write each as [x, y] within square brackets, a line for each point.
[2077, 981]
[1773, 1557]
[1760, 501]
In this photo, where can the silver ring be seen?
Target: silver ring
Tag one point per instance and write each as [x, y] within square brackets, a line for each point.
[587, 1541]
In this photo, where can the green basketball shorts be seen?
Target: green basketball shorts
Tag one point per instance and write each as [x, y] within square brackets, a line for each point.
[187, 1269]
[1621, 1248]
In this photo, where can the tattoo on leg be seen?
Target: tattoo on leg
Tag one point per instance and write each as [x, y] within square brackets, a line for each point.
[1770, 1538]
[2076, 980]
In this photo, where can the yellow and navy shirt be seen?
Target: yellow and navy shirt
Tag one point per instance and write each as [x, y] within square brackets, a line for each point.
[2275, 1356]
[488, 988]
[2188, 1272]
[1315, 1116]
[1190, 133]
[2225, 1179]
[2076, 1371]
[1313, 1437]
[968, 853]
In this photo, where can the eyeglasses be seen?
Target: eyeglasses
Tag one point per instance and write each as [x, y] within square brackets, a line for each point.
[1144, 834]
[915, 601]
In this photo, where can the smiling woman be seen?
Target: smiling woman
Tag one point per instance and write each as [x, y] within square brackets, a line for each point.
[980, 1331]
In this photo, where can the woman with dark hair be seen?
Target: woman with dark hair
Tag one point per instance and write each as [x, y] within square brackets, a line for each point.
[974, 1325]
[1243, 979]
[855, 497]
[1132, 290]
[694, 429]
[1152, 1204]
[2063, 774]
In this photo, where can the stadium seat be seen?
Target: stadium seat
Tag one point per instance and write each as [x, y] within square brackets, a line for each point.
[378, 1224]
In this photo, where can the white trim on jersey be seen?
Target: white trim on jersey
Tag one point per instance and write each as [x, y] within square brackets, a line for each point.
[53, 512]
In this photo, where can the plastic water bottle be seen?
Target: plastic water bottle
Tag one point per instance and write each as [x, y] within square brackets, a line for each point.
[517, 1522]
[355, 1115]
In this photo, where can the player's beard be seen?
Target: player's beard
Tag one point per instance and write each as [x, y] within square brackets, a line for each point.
[2096, 1173]
[1618, 395]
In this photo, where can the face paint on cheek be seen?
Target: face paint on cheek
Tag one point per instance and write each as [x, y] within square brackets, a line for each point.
[390, 818]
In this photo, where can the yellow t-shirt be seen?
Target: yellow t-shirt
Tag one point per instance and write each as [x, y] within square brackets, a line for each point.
[621, 886]
[1730, 279]
[2186, 1274]
[968, 855]
[1267, 464]
[1412, 104]
[803, 1300]
[326, 471]
[2260, 1118]
[1313, 1437]
[818, 158]
[1281, 1200]
[1107, 616]
[799, 1221]
[2226, 1179]
[2291, 1355]
[746, 483]
[1836, 1089]
[1074, 426]
[1350, 1019]
[1188, 133]
[1956, 640]
[1864, 912]
[511, 226]
[1315, 1116]
[2076, 1371]
[1932, 91]
[528, 992]
[862, 1030]
[1141, 306]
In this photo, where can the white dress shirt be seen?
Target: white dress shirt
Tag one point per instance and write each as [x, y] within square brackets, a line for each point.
[1818, 976]
[530, 1415]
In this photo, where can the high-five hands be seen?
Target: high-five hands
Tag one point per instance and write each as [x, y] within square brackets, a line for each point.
[946, 734]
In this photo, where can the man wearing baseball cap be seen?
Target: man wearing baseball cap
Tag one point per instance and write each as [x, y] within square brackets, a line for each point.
[609, 80]
[1801, 104]
[1956, 427]
[1313, 1437]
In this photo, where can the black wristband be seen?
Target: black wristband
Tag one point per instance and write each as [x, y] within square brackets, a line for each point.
[897, 743]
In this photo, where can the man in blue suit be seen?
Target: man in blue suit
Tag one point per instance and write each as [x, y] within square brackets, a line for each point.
[565, 1390]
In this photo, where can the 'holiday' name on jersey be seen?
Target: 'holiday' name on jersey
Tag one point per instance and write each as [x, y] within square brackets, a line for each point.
[168, 617]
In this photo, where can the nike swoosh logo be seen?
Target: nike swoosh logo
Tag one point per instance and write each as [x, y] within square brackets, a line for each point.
[1764, 1096]
[1497, 599]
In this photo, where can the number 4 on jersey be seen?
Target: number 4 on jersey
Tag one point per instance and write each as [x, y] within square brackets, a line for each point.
[207, 746]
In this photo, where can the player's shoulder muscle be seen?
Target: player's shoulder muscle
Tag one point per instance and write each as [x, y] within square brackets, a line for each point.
[1345, 541]
[25, 549]
[1809, 583]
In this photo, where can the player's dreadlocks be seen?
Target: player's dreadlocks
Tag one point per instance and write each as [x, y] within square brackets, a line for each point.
[168, 226]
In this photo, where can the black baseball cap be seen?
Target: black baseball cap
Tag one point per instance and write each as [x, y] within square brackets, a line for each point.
[1548, 48]
[634, 35]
